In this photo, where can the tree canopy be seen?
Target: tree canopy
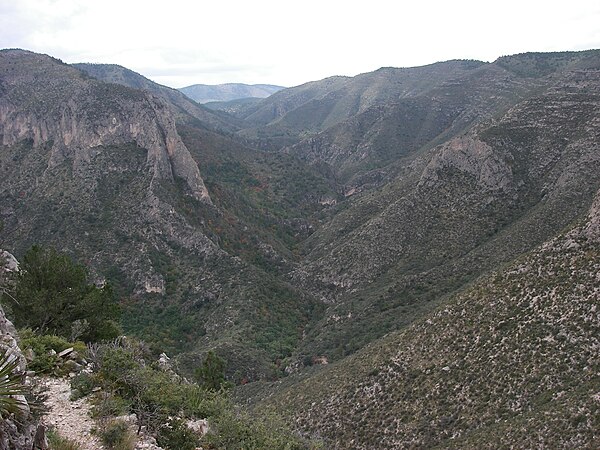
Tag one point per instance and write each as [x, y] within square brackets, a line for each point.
[211, 375]
[51, 294]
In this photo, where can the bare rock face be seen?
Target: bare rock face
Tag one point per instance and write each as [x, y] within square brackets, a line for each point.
[472, 156]
[16, 433]
[8, 261]
[8, 333]
[75, 115]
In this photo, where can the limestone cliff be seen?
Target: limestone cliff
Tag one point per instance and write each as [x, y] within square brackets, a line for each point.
[469, 155]
[74, 115]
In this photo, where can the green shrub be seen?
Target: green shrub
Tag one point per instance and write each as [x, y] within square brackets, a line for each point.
[109, 404]
[50, 293]
[57, 442]
[116, 363]
[175, 435]
[232, 429]
[82, 385]
[211, 375]
[42, 346]
[115, 435]
[153, 396]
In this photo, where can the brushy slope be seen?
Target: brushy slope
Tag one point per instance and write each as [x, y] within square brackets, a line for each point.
[453, 213]
[514, 360]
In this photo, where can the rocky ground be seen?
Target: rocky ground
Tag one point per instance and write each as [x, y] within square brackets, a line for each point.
[71, 419]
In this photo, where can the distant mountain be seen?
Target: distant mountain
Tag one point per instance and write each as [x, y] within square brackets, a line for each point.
[380, 114]
[204, 93]
[181, 105]
[317, 105]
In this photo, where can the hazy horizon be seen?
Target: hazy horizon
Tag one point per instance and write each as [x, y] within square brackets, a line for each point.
[267, 43]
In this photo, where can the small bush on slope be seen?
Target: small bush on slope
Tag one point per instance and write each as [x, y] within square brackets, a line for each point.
[45, 348]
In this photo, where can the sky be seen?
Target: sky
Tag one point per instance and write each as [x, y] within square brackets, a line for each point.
[178, 43]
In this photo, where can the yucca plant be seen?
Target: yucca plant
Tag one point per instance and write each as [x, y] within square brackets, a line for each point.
[11, 385]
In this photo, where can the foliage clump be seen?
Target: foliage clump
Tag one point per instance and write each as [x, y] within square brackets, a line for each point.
[44, 348]
[211, 375]
[175, 434]
[11, 385]
[51, 294]
[115, 435]
[58, 442]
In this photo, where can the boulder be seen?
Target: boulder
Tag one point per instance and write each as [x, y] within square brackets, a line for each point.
[66, 352]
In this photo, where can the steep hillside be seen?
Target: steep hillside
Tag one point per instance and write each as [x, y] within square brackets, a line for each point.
[454, 212]
[398, 129]
[235, 108]
[381, 134]
[47, 104]
[358, 126]
[204, 93]
[330, 222]
[511, 361]
[298, 112]
[102, 171]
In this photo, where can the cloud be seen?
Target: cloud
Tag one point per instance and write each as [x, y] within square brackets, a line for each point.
[266, 41]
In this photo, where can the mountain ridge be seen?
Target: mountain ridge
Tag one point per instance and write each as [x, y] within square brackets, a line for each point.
[108, 177]
[491, 197]
[205, 93]
[181, 106]
[76, 133]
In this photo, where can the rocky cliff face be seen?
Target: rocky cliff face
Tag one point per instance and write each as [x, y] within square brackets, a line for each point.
[101, 171]
[180, 106]
[75, 116]
[469, 155]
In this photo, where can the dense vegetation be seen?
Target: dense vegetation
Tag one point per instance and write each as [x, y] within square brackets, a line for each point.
[51, 295]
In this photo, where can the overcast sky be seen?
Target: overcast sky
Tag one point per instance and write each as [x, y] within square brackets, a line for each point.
[178, 43]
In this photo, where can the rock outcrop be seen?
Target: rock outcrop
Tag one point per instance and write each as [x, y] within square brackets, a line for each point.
[75, 115]
[469, 155]
[16, 433]
[592, 229]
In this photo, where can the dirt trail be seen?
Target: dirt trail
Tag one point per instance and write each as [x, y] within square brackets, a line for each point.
[71, 419]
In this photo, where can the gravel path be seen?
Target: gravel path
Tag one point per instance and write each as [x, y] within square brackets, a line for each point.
[71, 419]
